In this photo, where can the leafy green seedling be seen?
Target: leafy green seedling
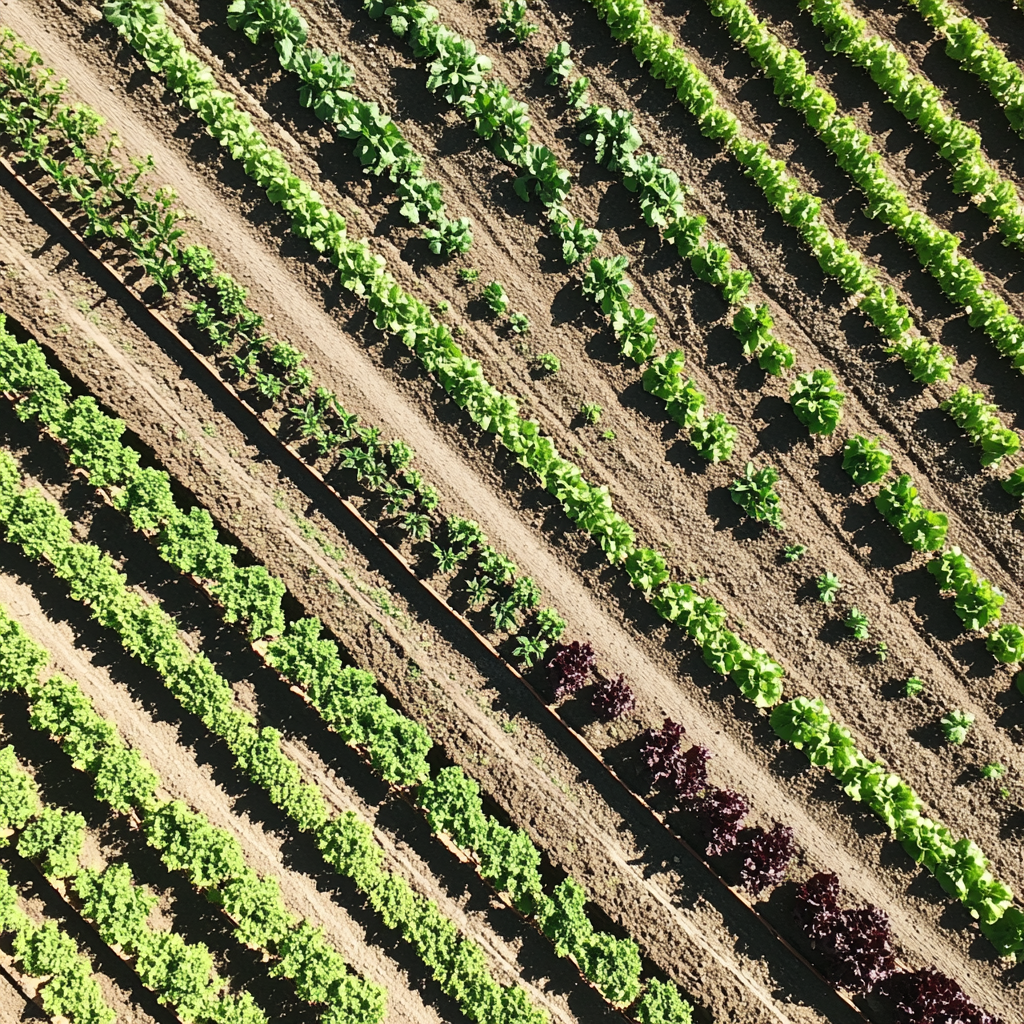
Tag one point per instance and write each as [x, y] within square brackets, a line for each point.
[955, 725]
[559, 63]
[754, 493]
[857, 621]
[992, 771]
[882, 650]
[467, 275]
[591, 412]
[828, 586]
[519, 323]
[441, 307]
[512, 21]
[793, 552]
[548, 362]
[608, 435]
[913, 686]
[495, 297]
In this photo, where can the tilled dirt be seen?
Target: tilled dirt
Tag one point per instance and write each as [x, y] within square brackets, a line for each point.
[677, 505]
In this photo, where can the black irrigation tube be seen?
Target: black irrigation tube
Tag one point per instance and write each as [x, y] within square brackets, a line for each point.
[313, 481]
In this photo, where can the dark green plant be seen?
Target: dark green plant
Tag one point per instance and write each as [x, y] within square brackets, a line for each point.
[754, 493]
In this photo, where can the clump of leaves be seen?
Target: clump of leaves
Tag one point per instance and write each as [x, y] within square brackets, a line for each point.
[955, 725]
[519, 323]
[495, 297]
[882, 650]
[865, 461]
[928, 995]
[767, 858]
[660, 750]
[591, 412]
[467, 275]
[793, 552]
[613, 697]
[512, 20]
[548, 362]
[992, 771]
[913, 686]
[817, 401]
[559, 63]
[754, 493]
[828, 585]
[721, 812]
[690, 773]
[857, 943]
[858, 622]
[569, 668]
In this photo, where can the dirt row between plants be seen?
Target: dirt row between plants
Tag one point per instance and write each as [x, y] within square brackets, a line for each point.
[666, 693]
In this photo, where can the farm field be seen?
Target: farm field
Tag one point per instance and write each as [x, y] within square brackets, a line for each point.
[321, 555]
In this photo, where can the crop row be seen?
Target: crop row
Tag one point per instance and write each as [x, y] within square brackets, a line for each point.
[704, 621]
[969, 44]
[923, 103]
[180, 973]
[959, 277]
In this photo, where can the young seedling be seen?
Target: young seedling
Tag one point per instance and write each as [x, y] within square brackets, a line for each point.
[559, 63]
[857, 621]
[441, 307]
[913, 686]
[548, 362]
[955, 725]
[992, 771]
[512, 21]
[793, 552]
[591, 413]
[495, 297]
[519, 323]
[828, 585]
[608, 435]
[882, 650]
[467, 275]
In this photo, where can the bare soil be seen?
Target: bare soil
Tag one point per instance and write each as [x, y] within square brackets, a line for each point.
[535, 774]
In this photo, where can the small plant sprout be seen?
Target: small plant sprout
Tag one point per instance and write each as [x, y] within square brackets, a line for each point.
[755, 494]
[548, 362]
[512, 20]
[828, 584]
[857, 621]
[467, 275]
[559, 63]
[591, 413]
[608, 435]
[495, 297]
[882, 650]
[992, 771]
[913, 686]
[955, 725]
[793, 552]
[519, 323]
[441, 307]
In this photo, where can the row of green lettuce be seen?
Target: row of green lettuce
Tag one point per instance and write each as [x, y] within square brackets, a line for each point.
[180, 973]
[755, 672]
[43, 952]
[463, 78]
[970, 45]
[506, 858]
[960, 279]
[64, 141]
[924, 104]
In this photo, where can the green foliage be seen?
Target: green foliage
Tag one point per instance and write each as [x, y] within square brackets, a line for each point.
[118, 907]
[921, 528]
[828, 585]
[1014, 483]
[955, 725]
[512, 20]
[817, 401]
[467, 275]
[187, 842]
[591, 413]
[559, 63]
[865, 461]
[519, 323]
[19, 800]
[913, 686]
[753, 326]
[662, 1004]
[978, 418]
[1006, 643]
[495, 297]
[54, 838]
[548, 362]
[606, 283]
[857, 622]
[793, 552]
[754, 492]
[452, 802]
[993, 771]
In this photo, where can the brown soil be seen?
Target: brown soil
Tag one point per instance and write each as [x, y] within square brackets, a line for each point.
[677, 505]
